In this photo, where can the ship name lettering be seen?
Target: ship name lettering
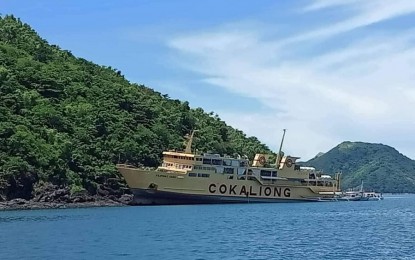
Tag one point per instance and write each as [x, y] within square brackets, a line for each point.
[212, 188]
[287, 192]
[251, 192]
[277, 192]
[243, 190]
[267, 191]
[232, 189]
[222, 189]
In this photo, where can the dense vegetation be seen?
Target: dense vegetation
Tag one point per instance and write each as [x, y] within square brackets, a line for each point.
[381, 167]
[66, 121]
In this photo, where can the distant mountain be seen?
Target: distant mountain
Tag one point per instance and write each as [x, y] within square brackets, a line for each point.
[381, 167]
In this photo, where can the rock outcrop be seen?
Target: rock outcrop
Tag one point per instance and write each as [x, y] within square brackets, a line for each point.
[47, 195]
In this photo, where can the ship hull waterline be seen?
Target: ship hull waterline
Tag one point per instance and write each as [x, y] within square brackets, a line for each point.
[154, 197]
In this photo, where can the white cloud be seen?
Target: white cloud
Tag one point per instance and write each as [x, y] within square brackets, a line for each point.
[357, 92]
[322, 4]
[367, 13]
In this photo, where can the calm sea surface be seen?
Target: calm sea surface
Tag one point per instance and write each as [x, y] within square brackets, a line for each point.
[343, 230]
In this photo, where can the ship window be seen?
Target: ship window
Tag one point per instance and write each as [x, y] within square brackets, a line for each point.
[203, 175]
[192, 174]
[227, 162]
[198, 159]
[241, 171]
[207, 161]
[242, 164]
[228, 170]
[235, 163]
[268, 173]
[216, 162]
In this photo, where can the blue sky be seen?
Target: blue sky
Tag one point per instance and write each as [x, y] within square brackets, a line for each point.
[328, 71]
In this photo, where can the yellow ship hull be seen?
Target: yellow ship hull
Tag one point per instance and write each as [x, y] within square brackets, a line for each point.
[152, 187]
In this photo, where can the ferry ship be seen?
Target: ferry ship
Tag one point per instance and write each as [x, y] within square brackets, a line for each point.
[190, 178]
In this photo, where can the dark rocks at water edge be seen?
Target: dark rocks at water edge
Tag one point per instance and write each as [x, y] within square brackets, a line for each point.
[48, 196]
[19, 204]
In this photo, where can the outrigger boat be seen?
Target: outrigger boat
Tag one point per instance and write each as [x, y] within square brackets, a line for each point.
[191, 178]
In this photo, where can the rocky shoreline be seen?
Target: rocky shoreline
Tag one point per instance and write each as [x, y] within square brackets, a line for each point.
[48, 196]
[22, 204]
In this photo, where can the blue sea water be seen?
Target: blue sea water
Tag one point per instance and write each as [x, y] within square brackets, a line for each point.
[343, 230]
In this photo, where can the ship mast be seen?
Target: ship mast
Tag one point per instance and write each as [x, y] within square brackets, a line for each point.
[189, 142]
[277, 162]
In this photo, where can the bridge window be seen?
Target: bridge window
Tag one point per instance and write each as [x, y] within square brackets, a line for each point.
[192, 174]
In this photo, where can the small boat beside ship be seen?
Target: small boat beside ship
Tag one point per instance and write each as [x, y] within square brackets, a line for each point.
[358, 194]
[187, 177]
[372, 196]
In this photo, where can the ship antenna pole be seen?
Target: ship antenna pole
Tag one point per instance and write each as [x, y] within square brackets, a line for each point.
[277, 162]
[189, 143]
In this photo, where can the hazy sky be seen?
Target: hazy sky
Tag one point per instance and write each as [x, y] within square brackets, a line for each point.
[328, 71]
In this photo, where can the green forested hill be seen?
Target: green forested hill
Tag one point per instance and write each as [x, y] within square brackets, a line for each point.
[67, 121]
[381, 167]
